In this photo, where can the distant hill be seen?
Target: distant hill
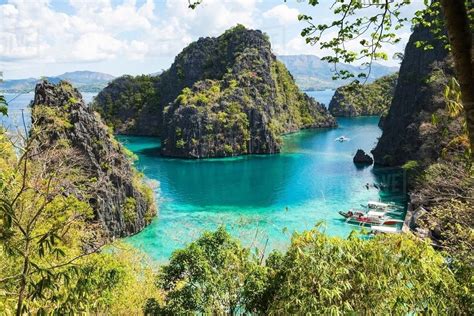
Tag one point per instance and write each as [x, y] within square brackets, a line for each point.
[312, 73]
[85, 81]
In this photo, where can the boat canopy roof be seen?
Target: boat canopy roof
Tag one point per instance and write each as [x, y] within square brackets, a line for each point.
[375, 213]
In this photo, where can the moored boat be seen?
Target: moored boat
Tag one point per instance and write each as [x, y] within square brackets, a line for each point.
[387, 208]
[342, 139]
[369, 218]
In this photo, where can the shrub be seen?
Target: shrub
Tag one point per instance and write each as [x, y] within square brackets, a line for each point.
[397, 274]
[208, 276]
[130, 210]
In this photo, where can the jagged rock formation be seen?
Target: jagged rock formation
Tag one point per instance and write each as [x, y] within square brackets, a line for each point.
[430, 143]
[413, 128]
[362, 158]
[241, 105]
[369, 99]
[226, 96]
[122, 203]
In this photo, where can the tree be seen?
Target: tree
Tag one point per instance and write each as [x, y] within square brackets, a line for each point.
[396, 274]
[318, 274]
[50, 255]
[40, 223]
[211, 275]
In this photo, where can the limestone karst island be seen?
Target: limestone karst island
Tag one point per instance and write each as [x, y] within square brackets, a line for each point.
[237, 157]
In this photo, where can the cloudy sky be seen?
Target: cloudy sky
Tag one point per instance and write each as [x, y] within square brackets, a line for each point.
[48, 37]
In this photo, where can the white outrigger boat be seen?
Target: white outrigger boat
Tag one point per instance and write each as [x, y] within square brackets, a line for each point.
[369, 218]
[387, 208]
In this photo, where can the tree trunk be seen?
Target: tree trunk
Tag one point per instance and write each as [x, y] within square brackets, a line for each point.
[26, 268]
[460, 38]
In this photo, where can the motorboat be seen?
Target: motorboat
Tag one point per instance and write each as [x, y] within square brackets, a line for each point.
[342, 139]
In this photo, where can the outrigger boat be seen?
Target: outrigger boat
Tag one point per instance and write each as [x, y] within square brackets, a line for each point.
[384, 207]
[369, 218]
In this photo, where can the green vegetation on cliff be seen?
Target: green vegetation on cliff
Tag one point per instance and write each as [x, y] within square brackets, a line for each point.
[61, 120]
[364, 99]
[50, 250]
[222, 96]
[426, 133]
[121, 103]
[66, 190]
[240, 102]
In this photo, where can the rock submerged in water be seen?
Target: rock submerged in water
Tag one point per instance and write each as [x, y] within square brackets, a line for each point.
[123, 205]
[362, 158]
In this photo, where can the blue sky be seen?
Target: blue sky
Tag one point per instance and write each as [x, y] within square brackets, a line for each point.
[46, 37]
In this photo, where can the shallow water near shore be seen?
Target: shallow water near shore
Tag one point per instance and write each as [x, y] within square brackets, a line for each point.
[261, 199]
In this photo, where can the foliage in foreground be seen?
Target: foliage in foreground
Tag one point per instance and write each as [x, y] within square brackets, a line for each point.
[49, 257]
[318, 274]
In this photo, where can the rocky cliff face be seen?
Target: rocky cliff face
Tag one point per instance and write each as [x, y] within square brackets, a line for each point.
[122, 203]
[415, 127]
[430, 142]
[236, 99]
[226, 96]
[368, 99]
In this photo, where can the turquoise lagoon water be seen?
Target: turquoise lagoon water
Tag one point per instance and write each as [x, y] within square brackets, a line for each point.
[261, 199]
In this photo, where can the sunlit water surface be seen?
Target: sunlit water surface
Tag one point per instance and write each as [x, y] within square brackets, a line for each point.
[261, 199]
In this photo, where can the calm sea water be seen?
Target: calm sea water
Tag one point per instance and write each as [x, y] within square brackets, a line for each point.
[261, 199]
[323, 96]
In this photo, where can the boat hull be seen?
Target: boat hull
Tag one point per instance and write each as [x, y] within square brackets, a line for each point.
[358, 218]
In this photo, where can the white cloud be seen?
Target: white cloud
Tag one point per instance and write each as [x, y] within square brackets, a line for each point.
[296, 45]
[137, 50]
[213, 17]
[111, 35]
[35, 30]
[96, 47]
[282, 14]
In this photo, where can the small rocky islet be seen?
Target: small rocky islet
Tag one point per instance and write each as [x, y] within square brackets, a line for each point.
[223, 96]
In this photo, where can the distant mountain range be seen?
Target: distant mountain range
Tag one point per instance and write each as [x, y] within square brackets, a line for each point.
[85, 81]
[312, 73]
[309, 71]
